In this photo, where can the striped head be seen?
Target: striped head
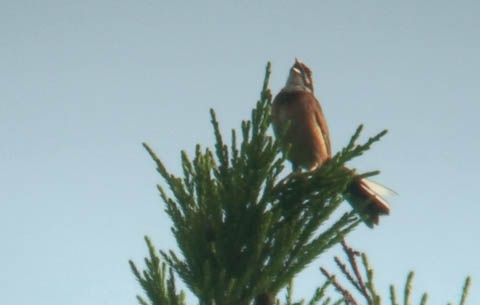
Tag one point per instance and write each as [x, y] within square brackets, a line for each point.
[300, 77]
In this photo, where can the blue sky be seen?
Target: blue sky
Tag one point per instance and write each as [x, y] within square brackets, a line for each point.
[83, 83]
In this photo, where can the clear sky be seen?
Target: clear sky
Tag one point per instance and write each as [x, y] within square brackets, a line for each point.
[83, 83]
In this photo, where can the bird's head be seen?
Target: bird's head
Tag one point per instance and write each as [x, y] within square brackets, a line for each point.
[300, 77]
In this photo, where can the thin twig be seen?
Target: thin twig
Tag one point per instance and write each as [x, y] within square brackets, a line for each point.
[359, 284]
[346, 295]
[344, 270]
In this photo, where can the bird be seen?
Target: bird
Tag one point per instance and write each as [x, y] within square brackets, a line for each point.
[298, 121]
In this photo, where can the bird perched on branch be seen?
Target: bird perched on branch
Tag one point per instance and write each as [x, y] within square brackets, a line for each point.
[296, 108]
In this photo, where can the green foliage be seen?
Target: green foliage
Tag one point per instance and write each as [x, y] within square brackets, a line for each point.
[242, 231]
[362, 282]
[159, 288]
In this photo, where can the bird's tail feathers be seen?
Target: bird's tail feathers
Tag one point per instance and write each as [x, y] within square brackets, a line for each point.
[368, 197]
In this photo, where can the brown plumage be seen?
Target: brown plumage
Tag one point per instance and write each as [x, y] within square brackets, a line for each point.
[308, 130]
[296, 107]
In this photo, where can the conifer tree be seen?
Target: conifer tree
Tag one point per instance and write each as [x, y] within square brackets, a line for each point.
[243, 230]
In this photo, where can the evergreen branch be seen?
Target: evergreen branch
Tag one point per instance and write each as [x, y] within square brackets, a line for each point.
[344, 292]
[327, 301]
[160, 167]
[266, 94]
[234, 149]
[366, 287]
[465, 290]
[359, 284]
[159, 289]
[343, 269]
[352, 150]
[142, 301]
[220, 148]
[319, 294]
[374, 297]
[353, 139]
[393, 295]
[408, 289]
[320, 244]
[289, 294]
[367, 174]
[424, 299]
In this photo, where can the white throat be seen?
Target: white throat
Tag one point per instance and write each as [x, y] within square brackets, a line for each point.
[297, 82]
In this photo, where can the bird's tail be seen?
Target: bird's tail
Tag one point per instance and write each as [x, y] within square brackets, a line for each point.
[367, 197]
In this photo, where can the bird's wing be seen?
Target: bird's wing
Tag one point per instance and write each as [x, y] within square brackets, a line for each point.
[322, 123]
[379, 189]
